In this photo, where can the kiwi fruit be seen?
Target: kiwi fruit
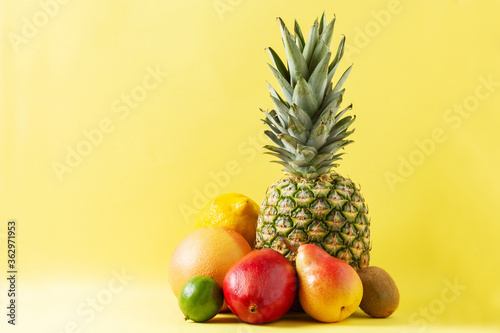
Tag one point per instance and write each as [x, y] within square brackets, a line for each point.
[380, 293]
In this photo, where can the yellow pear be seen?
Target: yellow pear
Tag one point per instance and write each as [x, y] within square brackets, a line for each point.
[330, 290]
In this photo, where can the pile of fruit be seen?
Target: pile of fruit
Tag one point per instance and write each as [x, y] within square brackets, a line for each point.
[214, 268]
[312, 232]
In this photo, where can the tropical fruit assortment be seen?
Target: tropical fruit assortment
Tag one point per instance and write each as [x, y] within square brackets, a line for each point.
[309, 242]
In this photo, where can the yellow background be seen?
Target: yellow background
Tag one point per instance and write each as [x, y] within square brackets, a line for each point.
[132, 198]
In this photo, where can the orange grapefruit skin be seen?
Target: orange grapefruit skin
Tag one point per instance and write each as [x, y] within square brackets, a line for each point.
[208, 251]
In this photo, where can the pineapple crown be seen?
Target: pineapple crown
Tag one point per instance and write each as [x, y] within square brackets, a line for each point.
[306, 126]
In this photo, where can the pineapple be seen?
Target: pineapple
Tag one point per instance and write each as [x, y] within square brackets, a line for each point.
[312, 203]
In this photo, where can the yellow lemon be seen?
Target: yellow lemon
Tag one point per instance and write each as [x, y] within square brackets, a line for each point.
[232, 210]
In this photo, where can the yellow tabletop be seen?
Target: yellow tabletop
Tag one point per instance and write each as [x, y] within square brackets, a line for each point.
[122, 302]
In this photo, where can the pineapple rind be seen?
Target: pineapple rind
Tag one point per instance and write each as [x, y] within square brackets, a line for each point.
[328, 211]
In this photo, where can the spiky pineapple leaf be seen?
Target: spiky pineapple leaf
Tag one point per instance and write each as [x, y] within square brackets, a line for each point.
[318, 136]
[298, 33]
[311, 173]
[299, 44]
[289, 142]
[279, 150]
[271, 126]
[325, 163]
[321, 158]
[312, 40]
[281, 110]
[338, 116]
[326, 169]
[334, 105]
[341, 125]
[305, 97]
[300, 163]
[274, 93]
[332, 99]
[275, 116]
[322, 129]
[286, 88]
[301, 115]
[278, 63]
[327, 33]
[296, 129]
[296, 64]
[336, 61]
[306, 152]
[281, 157]
[319, 77]
[322, 22]
[338, 56]
[285, 164]
[341, 82]
[334, 146]
[274, 138]
[274, 121]
[340, 136]
[337, 157]
[319, 53]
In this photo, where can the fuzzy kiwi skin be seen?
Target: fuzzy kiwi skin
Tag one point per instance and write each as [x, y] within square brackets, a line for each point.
[380, 293]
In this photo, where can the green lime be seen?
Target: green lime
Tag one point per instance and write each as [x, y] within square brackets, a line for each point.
[200, 298]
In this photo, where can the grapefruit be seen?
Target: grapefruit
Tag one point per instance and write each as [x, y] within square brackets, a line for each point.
[208, 251]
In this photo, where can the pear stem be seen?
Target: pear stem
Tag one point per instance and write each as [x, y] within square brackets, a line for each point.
[288, 245]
